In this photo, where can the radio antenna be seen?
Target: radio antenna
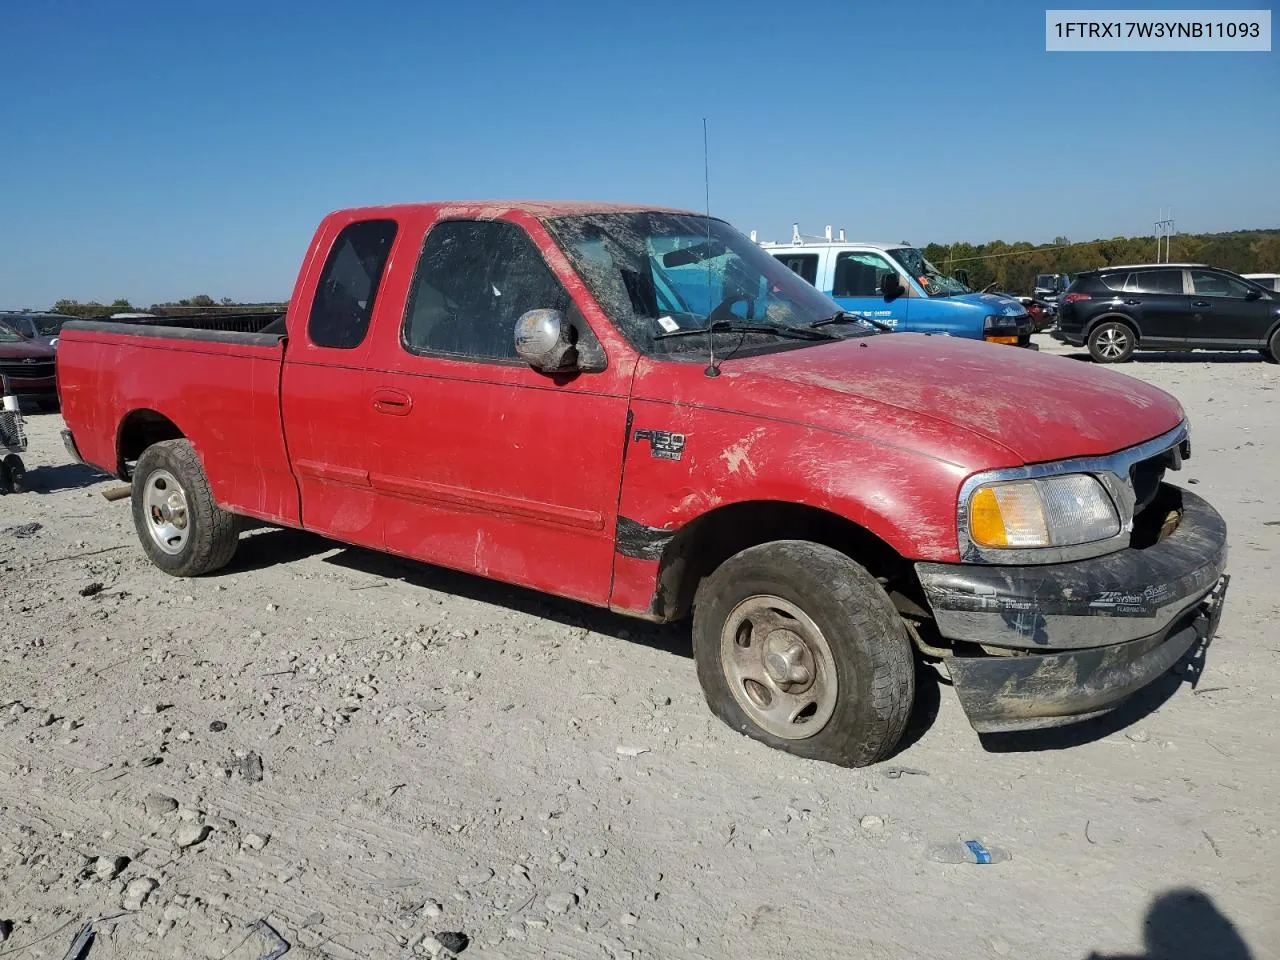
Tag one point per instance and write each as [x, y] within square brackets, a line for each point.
[712, 370]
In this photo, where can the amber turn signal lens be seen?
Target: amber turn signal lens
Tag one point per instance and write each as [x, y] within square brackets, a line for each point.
[986, 526]
[1011, 515]
[1010, 340]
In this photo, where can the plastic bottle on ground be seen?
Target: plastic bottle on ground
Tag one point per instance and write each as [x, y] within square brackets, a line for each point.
[966, 851]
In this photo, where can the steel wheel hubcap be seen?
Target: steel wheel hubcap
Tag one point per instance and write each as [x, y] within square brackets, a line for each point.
[1111, 342]
[779, 667]
[165, 504]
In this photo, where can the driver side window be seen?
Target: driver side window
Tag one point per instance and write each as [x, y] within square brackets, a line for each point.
[1207, 284]
[473, 281]
[859, 274]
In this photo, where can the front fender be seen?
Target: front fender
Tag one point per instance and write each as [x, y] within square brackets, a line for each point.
[705, 459]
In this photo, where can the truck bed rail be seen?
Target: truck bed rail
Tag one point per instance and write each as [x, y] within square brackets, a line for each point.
[241, 322]
[254, 329]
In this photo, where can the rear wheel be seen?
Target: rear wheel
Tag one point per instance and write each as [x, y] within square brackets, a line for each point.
[800, 648]
[182, 530]
[1111, 342]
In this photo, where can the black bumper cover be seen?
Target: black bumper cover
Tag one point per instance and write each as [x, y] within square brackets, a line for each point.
[69, 442]
[1084, 636]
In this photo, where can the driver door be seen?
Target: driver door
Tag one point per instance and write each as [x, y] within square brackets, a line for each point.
[481, 463]
[855, 285]
[1222, 315]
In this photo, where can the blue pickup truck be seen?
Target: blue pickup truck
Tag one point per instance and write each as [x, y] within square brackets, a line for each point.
[894, 284]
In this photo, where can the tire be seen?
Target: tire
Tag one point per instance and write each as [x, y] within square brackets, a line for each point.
[182, 530]
[1271, 352]
[6, 482]
[1111, 341]
[15, 474]
[773, 597]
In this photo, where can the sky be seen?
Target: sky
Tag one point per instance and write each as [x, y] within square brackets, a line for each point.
[154, 151]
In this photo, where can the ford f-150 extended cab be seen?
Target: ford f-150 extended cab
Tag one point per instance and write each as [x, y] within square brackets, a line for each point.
[642, 409]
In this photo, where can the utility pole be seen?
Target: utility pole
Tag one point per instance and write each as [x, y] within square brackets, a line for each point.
[1164, 231]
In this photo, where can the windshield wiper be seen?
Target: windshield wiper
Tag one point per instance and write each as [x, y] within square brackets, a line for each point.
[733, 326]
[844, 316]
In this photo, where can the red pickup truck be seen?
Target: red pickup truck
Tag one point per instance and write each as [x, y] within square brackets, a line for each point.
[641, 409]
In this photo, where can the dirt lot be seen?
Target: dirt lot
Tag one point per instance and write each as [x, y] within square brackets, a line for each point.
[367, 753]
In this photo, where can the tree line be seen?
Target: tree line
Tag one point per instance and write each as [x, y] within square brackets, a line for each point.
[201, 303]
[1012, 267]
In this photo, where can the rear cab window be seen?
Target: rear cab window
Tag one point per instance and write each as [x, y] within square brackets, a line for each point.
[1146, 281]
[348, 285]
[1156, 281]
[803, 265]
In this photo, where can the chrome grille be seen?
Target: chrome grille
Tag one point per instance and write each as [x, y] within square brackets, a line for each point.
[21, 370]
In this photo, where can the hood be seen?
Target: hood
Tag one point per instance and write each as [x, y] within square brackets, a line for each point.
[24, 349]
[958, 400]
[994, 304]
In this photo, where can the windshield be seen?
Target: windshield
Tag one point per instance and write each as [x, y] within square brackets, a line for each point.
[8, 334]
[659, 273]
[934, 282]
[48, 326]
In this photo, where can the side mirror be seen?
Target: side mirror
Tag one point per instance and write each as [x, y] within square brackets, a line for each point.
[891, 286]
[1253, 293]
[546, 342]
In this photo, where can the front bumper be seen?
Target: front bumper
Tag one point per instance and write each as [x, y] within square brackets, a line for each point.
[1072, 640]
[69, 442]
[1023, 341]
[38, 387]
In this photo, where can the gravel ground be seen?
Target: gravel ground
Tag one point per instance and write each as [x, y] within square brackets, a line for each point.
[373, 755]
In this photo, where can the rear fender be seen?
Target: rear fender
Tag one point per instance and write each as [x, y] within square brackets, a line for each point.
[139, 429]
[1127, 320]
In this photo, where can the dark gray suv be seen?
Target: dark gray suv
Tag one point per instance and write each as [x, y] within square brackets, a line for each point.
[1167, 306]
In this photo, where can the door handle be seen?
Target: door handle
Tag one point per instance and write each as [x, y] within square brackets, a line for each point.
[1201, 303]
[396, 403]
[1134, 303]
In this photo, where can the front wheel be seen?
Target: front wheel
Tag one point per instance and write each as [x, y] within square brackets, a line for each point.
[1271, 352]
[182, 530]
[800, 648]
[15, 472]
[1111, 342]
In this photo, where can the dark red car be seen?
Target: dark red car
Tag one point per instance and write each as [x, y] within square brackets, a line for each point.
[29, 365]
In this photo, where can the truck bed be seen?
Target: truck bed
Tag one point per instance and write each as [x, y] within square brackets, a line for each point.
[217, 380]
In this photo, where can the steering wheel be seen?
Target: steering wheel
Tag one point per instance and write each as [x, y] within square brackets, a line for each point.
[723, 309]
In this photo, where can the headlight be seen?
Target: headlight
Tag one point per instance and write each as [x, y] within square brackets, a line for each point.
[1050, 512]
[1002, 329]
[993, 323]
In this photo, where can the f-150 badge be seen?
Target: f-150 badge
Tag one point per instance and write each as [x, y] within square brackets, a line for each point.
[663, 444]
